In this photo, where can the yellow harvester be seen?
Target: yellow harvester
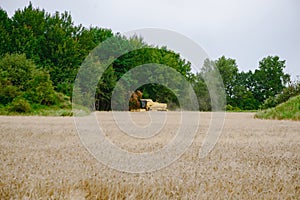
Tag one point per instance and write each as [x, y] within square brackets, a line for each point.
[148, 105]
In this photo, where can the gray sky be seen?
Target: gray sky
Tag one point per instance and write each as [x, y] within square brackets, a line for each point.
[244, 30]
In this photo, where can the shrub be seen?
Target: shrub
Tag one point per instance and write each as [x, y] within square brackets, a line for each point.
[8, 93]
[232, 108]
[292, 90]
[17, 70]
[286, 110]
[20, 105]
[270, 102]
[20, 80]
[41, 90]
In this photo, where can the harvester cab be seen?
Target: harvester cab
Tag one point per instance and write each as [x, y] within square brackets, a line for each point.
[148, 105]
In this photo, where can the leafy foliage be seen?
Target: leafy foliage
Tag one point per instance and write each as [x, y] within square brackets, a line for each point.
[22, 84]
[292, 90]
[40, 56]
[53, 42]
[270, 78]
[288, 110]
[20, 105]
[229, 71]
[246, 90]
[41, 90]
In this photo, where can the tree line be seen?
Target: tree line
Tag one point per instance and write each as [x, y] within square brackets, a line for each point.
[40, 55]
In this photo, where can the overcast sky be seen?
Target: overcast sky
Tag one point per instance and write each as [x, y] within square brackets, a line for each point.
[244, 30]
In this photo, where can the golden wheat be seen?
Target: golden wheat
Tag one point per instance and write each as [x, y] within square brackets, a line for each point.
[43, 158]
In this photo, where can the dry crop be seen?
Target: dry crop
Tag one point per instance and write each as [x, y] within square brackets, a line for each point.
[43, 158]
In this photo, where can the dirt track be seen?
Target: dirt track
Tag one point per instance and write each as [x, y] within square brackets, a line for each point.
[42, 157]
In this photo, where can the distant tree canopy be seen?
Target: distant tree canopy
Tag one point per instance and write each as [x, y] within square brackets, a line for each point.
[245, 90]
[22, 84]
[40, 55]
[53, 42]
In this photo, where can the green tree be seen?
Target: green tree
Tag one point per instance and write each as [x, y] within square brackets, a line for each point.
[202, 93]
[242, 92]
[28, 32]
[209, 87]
[270, 79]
[105, 88]
[16, 70]
[5, 39]
[121, 50]
[53, 42]
[243, 98]
[20, 79]
[40, 90]
[293, 89]
[229, 71]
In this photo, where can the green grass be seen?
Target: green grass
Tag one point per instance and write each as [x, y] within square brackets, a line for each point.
[44, 111]
[288, 110]
[241, 111]
[63, 109]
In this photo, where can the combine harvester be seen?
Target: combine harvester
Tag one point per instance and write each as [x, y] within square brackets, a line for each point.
[148, 105]
[137, 104]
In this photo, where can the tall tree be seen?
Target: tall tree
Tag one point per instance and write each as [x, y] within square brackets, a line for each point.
[28, 32]
[202, 93]
[242, 92]
[209, 87]
[270, 79]
[53, 42]
[5, 27]
[229, 71]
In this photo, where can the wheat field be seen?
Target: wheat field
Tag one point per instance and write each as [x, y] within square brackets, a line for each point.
[43, 158]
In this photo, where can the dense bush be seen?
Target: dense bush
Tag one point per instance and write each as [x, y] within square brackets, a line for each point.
[8, 93]
[22, 84]
[41, 90]
[20, 105]
[231, 108]
[292, 90]
[287, 110]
